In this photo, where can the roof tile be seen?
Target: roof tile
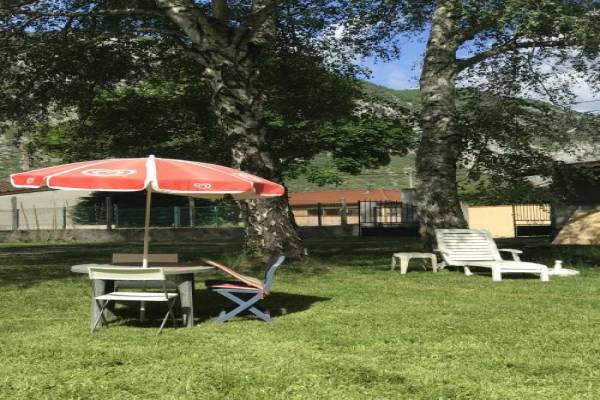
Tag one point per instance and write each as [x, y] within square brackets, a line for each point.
[349, 196]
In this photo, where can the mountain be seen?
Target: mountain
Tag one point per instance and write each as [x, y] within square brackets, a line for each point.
[407, 102]
[407, 98]
[395, 175]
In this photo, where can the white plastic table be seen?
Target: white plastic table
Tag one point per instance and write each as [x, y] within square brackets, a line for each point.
[404, 258]
[181, 274]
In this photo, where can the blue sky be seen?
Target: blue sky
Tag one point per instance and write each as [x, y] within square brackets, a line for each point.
[402, 73]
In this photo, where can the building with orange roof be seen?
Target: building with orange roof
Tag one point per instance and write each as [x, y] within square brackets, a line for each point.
[339, 207]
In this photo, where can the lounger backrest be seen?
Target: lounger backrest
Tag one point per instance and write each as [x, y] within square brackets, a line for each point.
[137, 258]
[460, 245]
[270, 274]
[127, 274]
[248, 280]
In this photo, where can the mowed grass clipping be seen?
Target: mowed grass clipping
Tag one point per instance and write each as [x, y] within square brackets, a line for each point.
[345, 327]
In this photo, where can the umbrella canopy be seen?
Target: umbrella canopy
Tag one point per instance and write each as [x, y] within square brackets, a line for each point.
[162, 175]
[186, 178]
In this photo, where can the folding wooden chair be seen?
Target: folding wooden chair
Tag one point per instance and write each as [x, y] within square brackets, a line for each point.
[132, 274]
[245, 291]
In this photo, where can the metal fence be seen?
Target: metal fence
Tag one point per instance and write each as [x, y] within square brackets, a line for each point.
[96, 217]
[532, 219]
[387, 218]
[218, 215]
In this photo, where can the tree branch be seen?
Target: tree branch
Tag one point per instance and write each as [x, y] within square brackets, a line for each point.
[33, 16]
[220, 10]
[252, 28]
[505, 47]
[13, 6]
[97, 13]
[472, 30]
[160, 31]
[188, 17]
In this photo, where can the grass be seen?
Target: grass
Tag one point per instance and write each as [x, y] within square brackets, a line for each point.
[345, 328]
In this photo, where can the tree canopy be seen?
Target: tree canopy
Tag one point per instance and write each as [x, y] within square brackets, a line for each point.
[507, 48]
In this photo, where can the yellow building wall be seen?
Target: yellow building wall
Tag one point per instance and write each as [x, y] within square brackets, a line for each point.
[304, 219]
[498, 220]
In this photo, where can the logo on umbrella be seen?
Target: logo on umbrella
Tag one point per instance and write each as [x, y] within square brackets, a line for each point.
[108, 172]
[202, 185]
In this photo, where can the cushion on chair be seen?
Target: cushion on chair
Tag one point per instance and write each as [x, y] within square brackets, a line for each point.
[236, 287]
[221, 284]
[247, 280]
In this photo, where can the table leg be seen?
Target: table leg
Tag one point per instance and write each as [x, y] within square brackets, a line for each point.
[404, 264]
[185, 285]
[434, 263]
[393, 263]
[100, 287]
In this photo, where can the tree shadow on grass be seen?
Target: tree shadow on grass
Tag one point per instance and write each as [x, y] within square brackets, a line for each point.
[26, 265]
[209, 304]
[24, 277]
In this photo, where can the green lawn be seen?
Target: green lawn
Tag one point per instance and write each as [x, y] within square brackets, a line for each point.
[345, 328]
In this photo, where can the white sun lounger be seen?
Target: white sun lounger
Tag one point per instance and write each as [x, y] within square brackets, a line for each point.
[476, 248]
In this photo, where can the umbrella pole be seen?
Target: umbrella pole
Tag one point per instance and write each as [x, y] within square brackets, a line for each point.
[146, 244]
[147, 227]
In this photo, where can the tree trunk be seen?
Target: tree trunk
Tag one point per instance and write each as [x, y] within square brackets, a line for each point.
[270, 228]
[439, 149]
[228, 55]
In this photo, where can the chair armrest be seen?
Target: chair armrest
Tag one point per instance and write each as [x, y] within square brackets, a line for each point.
[444, 255]
[515, 253]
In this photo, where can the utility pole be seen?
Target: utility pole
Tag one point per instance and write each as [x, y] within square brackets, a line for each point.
[410, 172]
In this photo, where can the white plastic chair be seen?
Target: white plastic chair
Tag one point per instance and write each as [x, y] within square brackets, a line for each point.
[476, 248]
[132, 274]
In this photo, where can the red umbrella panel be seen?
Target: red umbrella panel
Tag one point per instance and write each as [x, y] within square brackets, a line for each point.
[162, 175]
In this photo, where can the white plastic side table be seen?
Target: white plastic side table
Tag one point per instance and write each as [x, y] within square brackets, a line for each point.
[404, 258]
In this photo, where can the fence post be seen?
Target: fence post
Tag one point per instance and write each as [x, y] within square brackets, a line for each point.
[514, 221]
[359, 203]
[191, 206]
[216, 208]
[177, 216]
[64, 218]
[319, 217]
[54, 217]
[116, 215]
[35, 215]
[108, 201]
[24, 216]
[344, 214]
[15, 213]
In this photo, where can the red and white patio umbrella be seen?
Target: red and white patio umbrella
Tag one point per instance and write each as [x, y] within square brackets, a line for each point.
[161, 175]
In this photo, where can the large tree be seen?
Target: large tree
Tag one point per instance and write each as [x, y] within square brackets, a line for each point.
[168, 114]
[503, 44]
[226, 40]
